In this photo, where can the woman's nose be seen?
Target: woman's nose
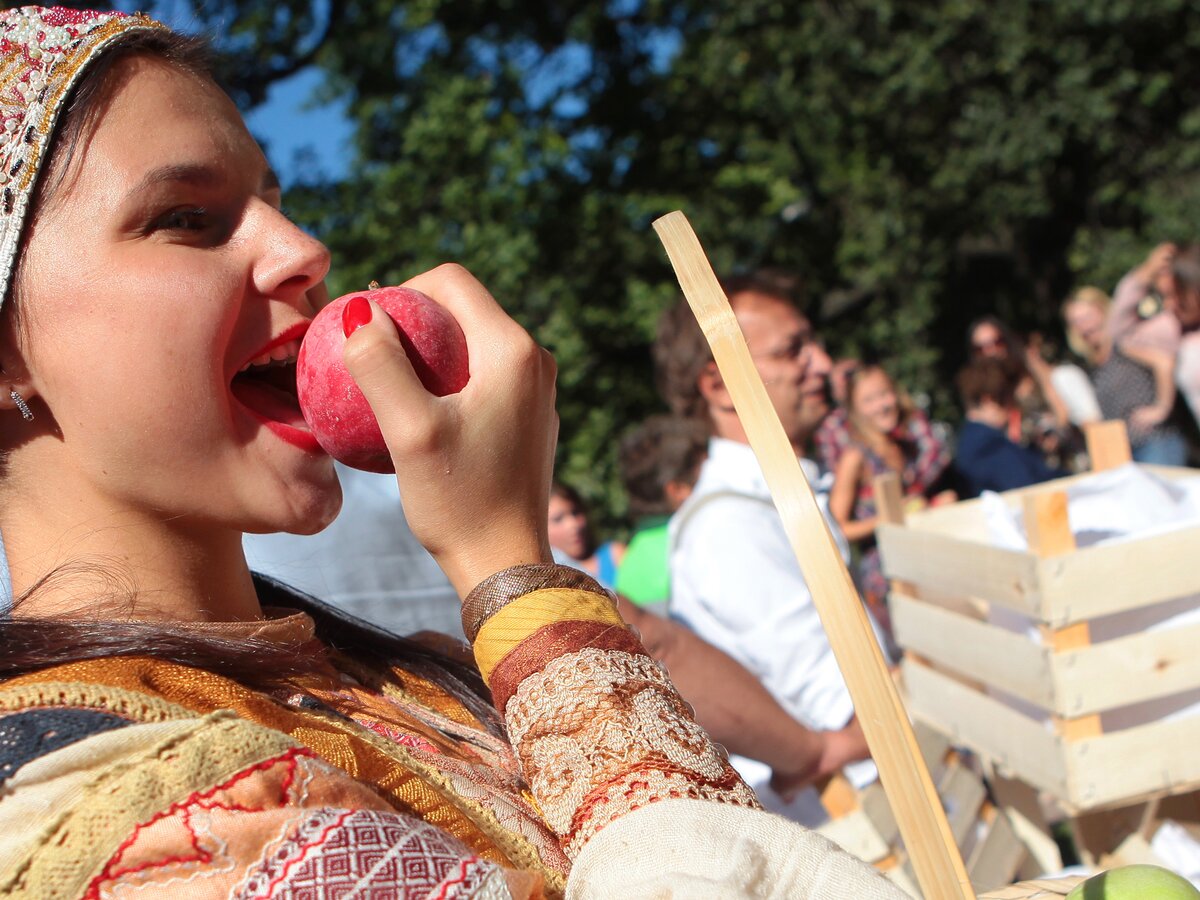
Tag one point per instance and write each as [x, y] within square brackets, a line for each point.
[291, 261]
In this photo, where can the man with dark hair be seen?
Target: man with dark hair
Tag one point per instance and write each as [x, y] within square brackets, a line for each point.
[734, 578]
[681, 352]
[659, 462]
[987, 460]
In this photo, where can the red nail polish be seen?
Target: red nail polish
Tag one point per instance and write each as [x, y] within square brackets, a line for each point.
[355, 314]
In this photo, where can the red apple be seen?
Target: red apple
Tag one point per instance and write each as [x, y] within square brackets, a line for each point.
[336, 410]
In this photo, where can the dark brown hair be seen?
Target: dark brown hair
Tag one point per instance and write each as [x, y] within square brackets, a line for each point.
[985, 379]
[1185, 266]
[661, 450]
[566, 492]
[31, 643]
[681, 351]
[1014, 361]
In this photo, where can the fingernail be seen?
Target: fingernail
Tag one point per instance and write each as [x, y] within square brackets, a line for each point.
[355, 314]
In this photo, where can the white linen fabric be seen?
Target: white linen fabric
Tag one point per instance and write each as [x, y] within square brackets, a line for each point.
[736, 583]
[1076, 391]
[693, 850]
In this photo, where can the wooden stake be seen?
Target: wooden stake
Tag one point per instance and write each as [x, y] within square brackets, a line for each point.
[927, 838]
[1107, 444]
[1048, 529]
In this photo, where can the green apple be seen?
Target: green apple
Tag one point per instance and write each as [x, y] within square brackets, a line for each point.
[1138, 882]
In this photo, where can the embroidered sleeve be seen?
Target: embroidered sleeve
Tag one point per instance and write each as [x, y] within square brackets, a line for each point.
[598, 727]
[209, 806]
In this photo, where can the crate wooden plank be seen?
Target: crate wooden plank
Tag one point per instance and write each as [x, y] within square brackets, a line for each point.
[1020, 804]
[1046, 889]
[1126, 670]
[962, 795]
[950, 565]
[875, 806]
[856, 834]
[979, 651]
[1097, 581]
[984, 724]
[998, 856]
[1133, 763]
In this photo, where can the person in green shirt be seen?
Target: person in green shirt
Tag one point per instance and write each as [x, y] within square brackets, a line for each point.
[660, 461]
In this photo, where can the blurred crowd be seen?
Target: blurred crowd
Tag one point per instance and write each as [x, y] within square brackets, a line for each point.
[1133, 356]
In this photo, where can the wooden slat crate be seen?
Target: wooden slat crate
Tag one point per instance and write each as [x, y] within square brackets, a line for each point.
[958, 665]
[994, 845]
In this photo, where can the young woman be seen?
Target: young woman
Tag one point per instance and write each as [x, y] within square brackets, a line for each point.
[1133, 383]
[877, 414]
[570, 532]
[169, 722]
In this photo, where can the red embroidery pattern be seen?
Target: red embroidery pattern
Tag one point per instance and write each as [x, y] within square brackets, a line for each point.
[411, 741]
[386, 856]
[204, 850]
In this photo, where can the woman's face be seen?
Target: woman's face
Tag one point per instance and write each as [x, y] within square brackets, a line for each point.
[987, 342]
[158, 270]
[875, 402]
[1087, 321]
[568, 528]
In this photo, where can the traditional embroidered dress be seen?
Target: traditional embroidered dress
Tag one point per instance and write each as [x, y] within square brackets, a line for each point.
[129, 773]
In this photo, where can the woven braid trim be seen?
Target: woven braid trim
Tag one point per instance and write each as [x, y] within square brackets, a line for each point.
[132, 705]
[497, 591]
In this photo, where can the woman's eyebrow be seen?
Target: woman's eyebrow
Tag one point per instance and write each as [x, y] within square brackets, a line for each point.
[198, 174]
[188, 173]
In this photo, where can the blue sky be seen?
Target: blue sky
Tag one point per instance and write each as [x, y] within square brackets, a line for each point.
[289, 126]
[302, 137]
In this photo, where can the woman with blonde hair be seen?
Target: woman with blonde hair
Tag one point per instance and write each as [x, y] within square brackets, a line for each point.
[1132, 383]
[877, 413]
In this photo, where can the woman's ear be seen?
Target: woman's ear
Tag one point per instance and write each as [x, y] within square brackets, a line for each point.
[16, 385]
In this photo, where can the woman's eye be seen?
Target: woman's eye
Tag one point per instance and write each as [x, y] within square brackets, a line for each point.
[186, 219]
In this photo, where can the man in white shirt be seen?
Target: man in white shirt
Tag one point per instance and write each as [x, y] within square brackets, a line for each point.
[734, 578]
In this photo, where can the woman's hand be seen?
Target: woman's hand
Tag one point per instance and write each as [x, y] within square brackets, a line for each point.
[1145, 418]
[474, 468]
[836, 750]
[1156, 263]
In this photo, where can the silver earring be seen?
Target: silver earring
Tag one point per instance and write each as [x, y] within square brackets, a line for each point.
[26, 412]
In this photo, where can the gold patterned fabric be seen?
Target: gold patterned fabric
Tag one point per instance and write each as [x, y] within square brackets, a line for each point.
[455, 777]
[596, 732]
[208, 805]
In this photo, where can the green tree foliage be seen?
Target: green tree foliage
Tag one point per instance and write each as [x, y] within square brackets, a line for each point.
[919, 163]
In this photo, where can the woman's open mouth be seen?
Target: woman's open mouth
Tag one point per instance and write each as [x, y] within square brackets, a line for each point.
[266, 387]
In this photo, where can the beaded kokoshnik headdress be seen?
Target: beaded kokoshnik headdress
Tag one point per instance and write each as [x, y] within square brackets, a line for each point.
[43, 52]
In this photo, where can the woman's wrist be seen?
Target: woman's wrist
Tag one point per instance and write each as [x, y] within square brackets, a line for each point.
[501, 588]
[473, 560]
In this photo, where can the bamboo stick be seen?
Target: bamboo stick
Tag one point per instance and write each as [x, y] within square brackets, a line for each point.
[936, 860]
